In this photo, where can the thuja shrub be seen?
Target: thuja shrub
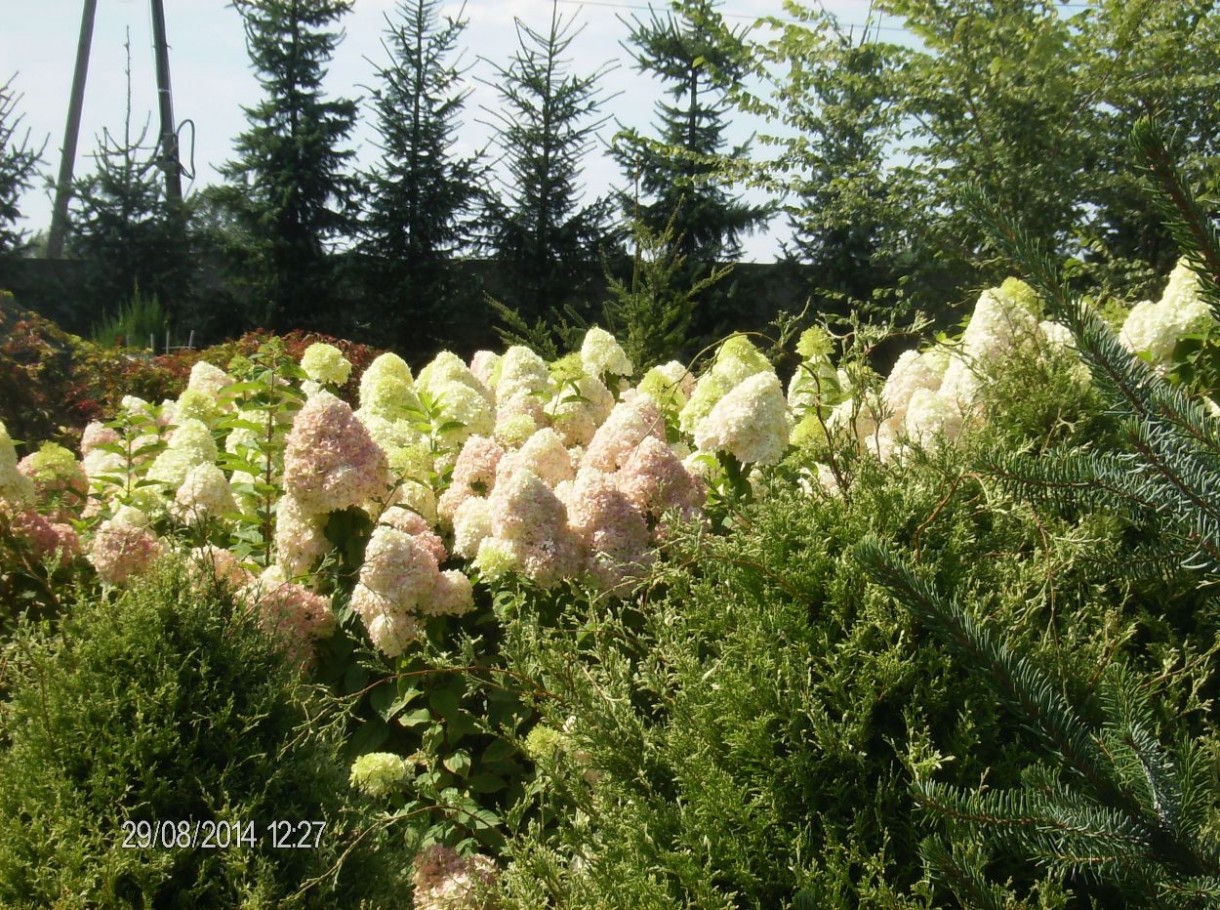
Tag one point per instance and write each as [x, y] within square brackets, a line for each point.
[744, 732]
[165, 706]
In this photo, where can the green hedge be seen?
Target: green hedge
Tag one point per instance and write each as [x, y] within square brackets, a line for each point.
[167, 704]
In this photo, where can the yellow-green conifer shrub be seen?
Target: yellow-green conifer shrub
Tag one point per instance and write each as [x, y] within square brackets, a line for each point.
[167, 706]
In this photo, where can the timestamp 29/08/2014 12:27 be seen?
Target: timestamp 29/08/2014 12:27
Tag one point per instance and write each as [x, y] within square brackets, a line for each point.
[207, 834]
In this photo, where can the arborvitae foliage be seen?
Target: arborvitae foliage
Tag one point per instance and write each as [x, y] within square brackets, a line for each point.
[548, 242]
[168, 705]
[18, 165]
[740, 732]
[421, 197]
[677, 172]
[122, 227]
[287, 185]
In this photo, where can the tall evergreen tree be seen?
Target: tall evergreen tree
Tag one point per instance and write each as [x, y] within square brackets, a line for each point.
[421, 198]
[18, 165]
[288, 184]
[844, 219]
[547, 241]
[678, 172]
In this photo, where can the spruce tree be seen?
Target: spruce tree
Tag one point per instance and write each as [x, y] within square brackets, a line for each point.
[122, 229]
[18, 165]
[677, 171]
[421, 197]
[547, 242]
[846, 223]
[287, 184]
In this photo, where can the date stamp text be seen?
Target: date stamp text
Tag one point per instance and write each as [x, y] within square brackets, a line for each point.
[207, 834]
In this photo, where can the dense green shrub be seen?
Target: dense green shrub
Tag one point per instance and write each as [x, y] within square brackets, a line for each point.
[746, 731]
[167, 704]
[741, 734]
[52, 383]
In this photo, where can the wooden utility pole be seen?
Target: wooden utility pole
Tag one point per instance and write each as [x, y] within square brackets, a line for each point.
[63, 188]
[169, 137]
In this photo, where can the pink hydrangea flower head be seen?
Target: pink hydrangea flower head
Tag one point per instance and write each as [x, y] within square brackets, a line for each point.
[750, 422]
[292, 614]
[581, 402]
[543, 454]
[45, 539]
[119, 551]
[393, 633]
[96, 433]
[221, 564]
[299, 537]
[390, 628]
[655, 481]
[452, 595]
[626, 427]
[331, 462]
[475, 468]
[399, 567]
[483, 365]
[613, 531]
[530, 532]
[446, 881]
[524, 506]
[416, 525]
[69, 545]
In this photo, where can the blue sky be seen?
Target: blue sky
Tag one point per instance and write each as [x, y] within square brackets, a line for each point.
[212, 79]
